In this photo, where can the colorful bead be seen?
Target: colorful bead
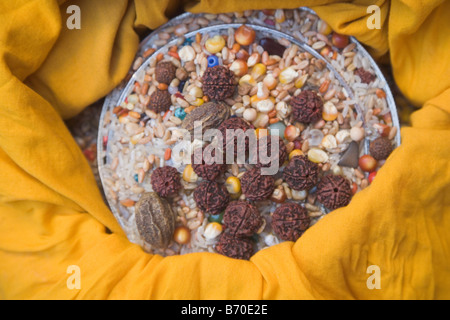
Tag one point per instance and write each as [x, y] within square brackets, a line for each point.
[213, 61]
[180, 113]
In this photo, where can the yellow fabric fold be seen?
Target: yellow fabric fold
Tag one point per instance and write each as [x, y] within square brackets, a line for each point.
[52, 215]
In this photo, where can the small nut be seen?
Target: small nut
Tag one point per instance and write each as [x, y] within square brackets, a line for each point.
[181, 74]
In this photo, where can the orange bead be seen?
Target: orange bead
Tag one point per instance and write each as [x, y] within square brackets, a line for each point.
[167, 154]
[174, 54]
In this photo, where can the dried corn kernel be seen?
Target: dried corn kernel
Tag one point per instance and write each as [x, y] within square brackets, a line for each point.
[317, 155]
[182, 235]
[196, 92]
[270, 82]
[198, 102]
[265, 106]
[254, 100]
[291, 132]
[212, 230]
[187, 53]
[329, 112]
[189, 175]
[329, 141]
[254, 58]
[263, 91]
[300, 81]
[239, 67]
[288, 75]
[215, 44]
[294, 153]
[247, 79]
[233, 185]
[258, 70]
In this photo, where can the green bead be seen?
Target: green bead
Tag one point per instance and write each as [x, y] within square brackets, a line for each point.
[277, 128]
[216, 218]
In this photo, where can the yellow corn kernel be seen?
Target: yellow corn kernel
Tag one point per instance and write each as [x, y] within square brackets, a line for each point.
[317, 155]
[288, 75]
[294, 153]
[254, 100]
[258, 70]
[215, 44]
[270, 82]
[196, 92]
[212, 230]
[189, 175]
[300, 81]
[247, 79]
[198, 102]
[330, 112]
[233, 185]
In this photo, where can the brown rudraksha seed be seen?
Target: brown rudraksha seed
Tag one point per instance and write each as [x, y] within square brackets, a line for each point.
[165, 72]
[241, 219]
[204, 163]
[301, 173]
[366, 76]
[307, 106]
[289, 221]
[262, 154]
[166, 181]
[211, 197]
[218, 83]
[231, 140]
[334, 192]
[256, 186]
[155, 220]
[380, 148]
[234, 247]
[160, 101]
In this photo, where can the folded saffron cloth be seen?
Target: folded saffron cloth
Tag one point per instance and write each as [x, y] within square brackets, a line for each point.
[52, 214]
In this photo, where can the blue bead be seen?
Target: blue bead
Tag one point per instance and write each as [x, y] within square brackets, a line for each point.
[188, 41]
[213, 61]
[136, 178]
[180, 113]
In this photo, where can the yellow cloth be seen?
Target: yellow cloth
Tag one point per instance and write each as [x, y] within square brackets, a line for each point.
[53, 216]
